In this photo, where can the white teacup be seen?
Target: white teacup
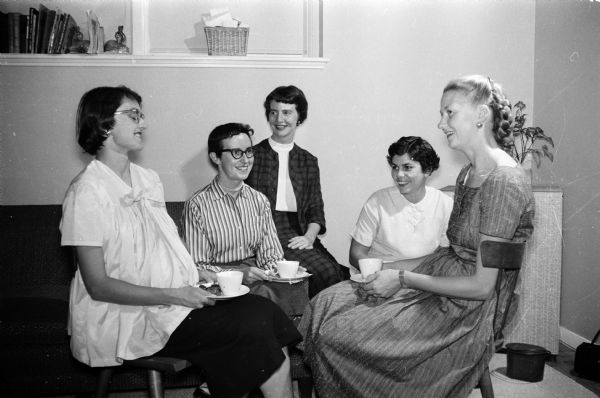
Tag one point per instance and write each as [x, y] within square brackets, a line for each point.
[287, 269]
[369, 266]
[230, 282]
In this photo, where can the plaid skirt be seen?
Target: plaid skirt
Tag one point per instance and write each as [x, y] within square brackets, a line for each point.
[325, 270]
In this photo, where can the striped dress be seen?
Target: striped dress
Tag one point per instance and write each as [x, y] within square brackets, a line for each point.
[419, 344]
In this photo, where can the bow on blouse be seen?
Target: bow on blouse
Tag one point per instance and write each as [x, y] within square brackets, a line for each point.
[136, 195]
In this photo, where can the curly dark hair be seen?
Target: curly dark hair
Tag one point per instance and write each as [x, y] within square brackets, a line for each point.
[288, 95]
[418, 149]
[483, 90]
[95, 115]
[224, 131]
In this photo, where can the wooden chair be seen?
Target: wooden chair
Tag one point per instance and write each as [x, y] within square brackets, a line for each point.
[507, 258]
[156, 366]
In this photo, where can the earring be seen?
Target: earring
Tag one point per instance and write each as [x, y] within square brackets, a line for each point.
[479, 125]
[107, 133]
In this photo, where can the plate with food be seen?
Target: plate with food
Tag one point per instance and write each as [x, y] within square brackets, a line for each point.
[217, 294]
[301, 275]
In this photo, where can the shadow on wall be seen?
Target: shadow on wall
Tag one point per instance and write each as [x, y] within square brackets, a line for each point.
[197, 172]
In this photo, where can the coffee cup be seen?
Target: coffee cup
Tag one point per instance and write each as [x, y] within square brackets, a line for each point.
[230, 282]
[369, 266]
[287, 269]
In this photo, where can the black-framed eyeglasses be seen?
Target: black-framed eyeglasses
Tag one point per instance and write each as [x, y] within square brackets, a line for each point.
[134, 114]
[237, 152]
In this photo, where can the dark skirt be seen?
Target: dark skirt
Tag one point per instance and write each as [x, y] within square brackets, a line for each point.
[236, 344]
[325, 270]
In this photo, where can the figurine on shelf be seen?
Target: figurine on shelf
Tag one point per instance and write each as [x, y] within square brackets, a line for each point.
[78, 45]
[117, 46]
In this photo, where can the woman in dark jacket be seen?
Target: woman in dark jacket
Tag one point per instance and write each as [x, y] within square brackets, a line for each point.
[289, 176]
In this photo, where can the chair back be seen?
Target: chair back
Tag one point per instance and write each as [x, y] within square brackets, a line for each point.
[507, 257]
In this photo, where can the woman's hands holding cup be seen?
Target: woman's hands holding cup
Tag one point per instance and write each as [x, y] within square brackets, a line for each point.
[381, 284]
[192, 297]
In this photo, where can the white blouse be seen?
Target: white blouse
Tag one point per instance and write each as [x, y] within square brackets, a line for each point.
[396, 229]
[141, 246]
[286, 199]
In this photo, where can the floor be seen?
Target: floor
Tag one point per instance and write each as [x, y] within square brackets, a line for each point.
[563, 363]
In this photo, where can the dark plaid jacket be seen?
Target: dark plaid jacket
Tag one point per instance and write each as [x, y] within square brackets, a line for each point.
[304, 174]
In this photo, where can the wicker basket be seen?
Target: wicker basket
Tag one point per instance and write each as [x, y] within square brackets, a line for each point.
[227, 41]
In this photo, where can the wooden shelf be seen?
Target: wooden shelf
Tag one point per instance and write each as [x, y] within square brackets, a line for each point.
[165, 61]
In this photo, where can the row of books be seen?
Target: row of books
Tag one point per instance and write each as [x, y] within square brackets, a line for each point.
[42, 31]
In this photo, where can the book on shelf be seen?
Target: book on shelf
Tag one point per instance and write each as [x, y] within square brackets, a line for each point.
[23, 23]
[48, 31]
[32, 29]
[3, 32]
[14, 30]
[62, 34]
[42, 22]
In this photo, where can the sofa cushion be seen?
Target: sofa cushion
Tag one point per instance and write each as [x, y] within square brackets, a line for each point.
[37, 321]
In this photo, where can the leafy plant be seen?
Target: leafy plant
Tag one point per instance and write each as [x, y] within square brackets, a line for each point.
[526, 137]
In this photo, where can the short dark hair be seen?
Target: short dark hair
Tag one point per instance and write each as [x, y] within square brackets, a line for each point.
[95, 115]
[288, 95]
[224, 131]
[418, 149]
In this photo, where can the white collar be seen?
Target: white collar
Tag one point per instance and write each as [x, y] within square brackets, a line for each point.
[278, 147]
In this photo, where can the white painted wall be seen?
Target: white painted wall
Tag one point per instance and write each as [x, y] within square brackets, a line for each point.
[389, 61]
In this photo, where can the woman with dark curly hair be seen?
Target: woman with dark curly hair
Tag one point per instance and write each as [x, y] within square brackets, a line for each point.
[403, 223]
[428, 332]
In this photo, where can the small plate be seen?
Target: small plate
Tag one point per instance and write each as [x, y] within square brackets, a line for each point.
[357, 278]
[300, 276]
[243, 290]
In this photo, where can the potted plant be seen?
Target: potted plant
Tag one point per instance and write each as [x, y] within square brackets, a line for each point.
[524, 149]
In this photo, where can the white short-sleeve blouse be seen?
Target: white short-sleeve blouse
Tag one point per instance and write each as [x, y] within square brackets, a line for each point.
[140, 245]
[396, 229]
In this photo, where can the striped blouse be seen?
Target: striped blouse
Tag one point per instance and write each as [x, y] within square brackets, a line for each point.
[220, 229]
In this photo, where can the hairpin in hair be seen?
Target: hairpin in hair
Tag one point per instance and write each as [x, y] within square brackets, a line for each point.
[491, 84]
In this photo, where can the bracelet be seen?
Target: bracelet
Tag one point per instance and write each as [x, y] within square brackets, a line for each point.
[401, 278]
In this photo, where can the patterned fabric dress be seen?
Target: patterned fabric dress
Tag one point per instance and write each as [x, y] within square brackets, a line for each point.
[419, 344]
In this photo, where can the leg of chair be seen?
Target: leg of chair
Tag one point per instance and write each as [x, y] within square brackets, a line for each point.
[485, 384]
[155, 383]
[102, 383]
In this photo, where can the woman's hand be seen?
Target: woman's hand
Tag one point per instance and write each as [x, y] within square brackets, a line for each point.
[254, 274]
[305, 241]
[192, 297]
[301, 242]
[207, 275]
[382, 283]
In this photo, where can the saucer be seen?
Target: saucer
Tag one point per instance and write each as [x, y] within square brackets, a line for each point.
[300, 276]
[243, 290]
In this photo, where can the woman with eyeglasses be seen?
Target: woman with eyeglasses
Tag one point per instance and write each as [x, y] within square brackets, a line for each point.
[289, 176]
[228, 225]
[134, 292]
[403, 223]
